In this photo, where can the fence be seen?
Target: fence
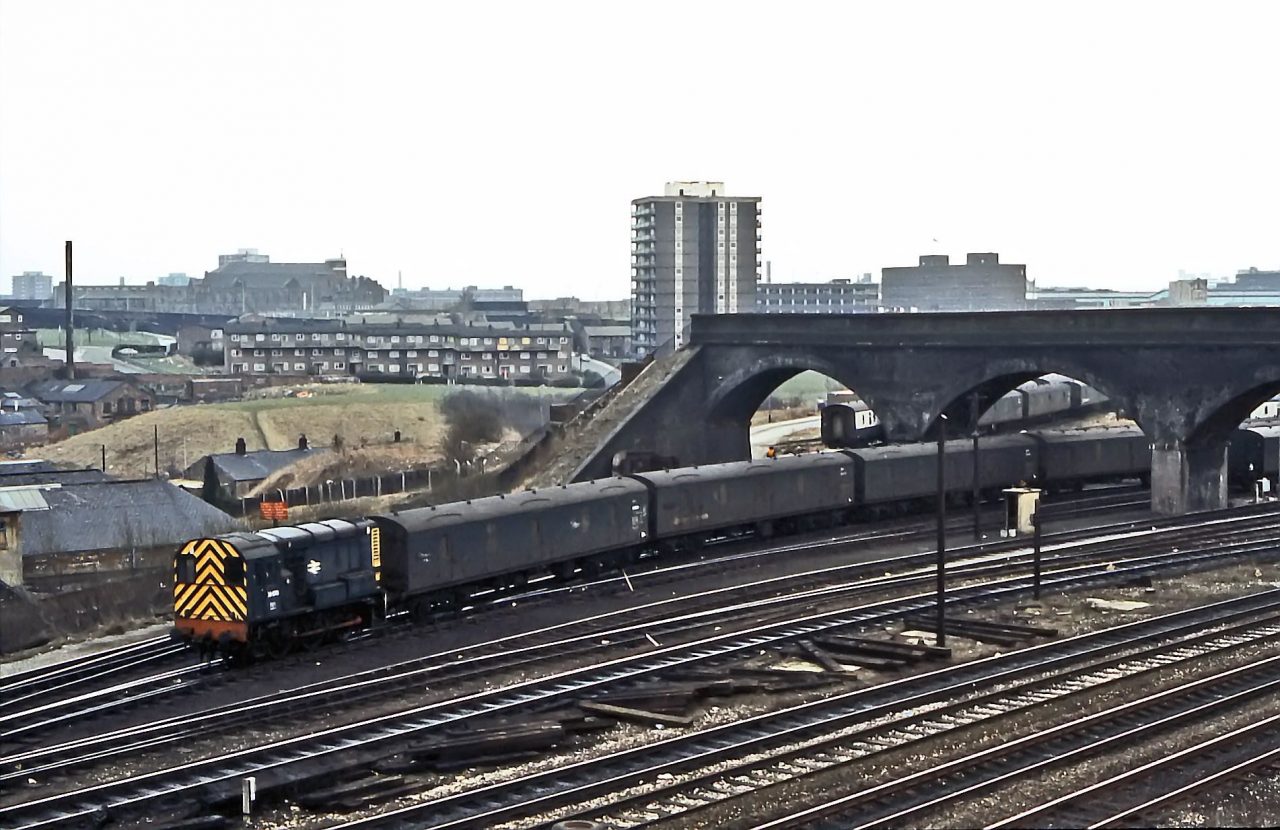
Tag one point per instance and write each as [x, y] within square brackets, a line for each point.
[343, 489]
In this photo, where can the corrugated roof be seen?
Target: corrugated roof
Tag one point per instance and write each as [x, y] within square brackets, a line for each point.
[114, 515]
[22, 499]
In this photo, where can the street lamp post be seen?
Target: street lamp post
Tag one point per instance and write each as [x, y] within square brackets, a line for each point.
[941, 627]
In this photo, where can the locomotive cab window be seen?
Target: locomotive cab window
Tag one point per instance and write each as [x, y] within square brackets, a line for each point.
[186, 568]
[233, 569]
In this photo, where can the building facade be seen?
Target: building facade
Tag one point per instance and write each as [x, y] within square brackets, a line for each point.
[403, 350]
[245, 282]
[694, 250]
[840, 296]
[32, 285]
[982, 283]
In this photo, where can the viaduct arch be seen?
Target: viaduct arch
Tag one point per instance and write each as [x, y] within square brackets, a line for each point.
[1188, 376]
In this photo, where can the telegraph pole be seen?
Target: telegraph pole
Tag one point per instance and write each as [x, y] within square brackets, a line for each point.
[942, 530]
[70, 322]
[977, 493]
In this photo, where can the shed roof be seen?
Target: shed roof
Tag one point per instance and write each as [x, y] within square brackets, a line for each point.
[252, 466]
[21, 417]
[112, 515]
[75, 391]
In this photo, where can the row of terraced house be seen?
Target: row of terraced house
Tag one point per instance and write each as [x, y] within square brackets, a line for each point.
[403, 350]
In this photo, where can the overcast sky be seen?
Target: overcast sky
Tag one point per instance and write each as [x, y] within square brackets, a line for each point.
[1107, 144]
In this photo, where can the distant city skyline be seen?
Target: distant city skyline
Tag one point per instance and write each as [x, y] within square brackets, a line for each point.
[492, 144]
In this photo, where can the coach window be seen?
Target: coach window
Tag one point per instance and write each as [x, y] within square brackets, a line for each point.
[234, 571]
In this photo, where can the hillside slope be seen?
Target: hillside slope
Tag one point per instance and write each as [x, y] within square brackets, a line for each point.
[360, 414]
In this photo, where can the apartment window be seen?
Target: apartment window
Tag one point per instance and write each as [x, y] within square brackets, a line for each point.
[562, 369]
[275, 352]
[411, 354]
[235, 352]
[488, 370]
[504, 356]
[435, 338]
[373, 353]
[338, 351]
[315, 351]
[275, 337]
[487, 356]
[393, 355]
[299, 367]
[339, 365]
[524, 355]
[340, 336]
[564, 340]
[299, 336]
[258, 352]
[433, 367]
[433, 353]
[315, 337]
[259, 367]
[679, 218]
[524, 370]
[488, 341]
[395, 338]
[260, 337]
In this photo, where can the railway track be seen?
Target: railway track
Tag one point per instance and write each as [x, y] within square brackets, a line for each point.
[109, 682]
[685, 775]
[18, 690]
[317, 754]
[940, 788]
[52, 705]
[661, 619]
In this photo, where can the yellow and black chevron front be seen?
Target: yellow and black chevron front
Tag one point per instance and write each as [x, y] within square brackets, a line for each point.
[212, 596]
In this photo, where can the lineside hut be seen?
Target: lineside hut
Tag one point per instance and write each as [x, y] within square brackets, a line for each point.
[232, 475]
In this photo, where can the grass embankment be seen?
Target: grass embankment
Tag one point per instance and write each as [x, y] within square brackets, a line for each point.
[366, 416]
[362, 415]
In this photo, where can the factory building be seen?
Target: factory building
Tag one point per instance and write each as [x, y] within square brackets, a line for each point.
[982, 283]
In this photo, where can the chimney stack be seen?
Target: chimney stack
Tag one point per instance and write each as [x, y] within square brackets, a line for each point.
[241, 449]
[302, 441]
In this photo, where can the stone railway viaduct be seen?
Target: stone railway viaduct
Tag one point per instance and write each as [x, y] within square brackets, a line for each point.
[1187, 376]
